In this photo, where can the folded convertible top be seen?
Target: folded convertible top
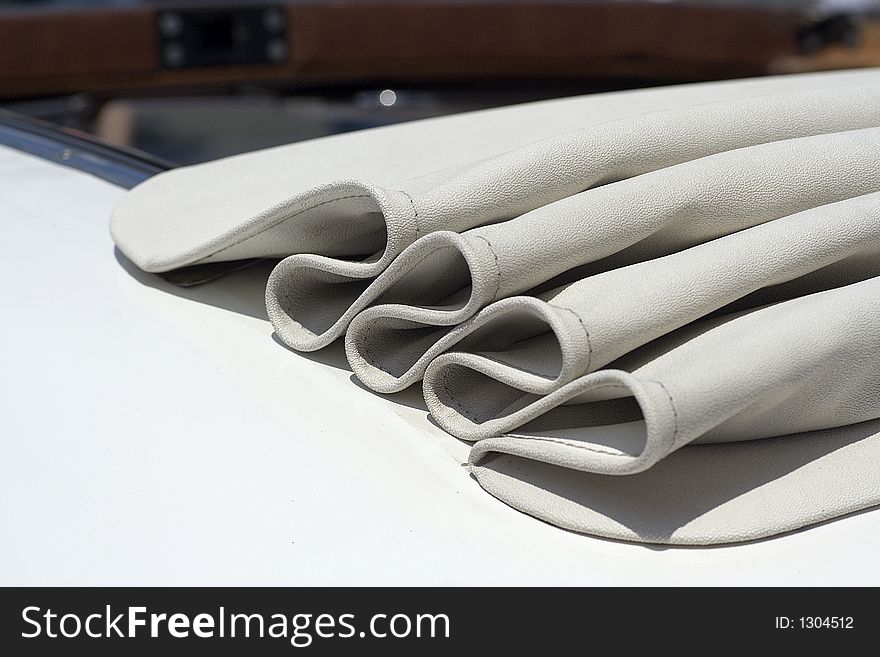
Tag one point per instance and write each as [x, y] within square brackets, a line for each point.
[654, 313]
[237, 207]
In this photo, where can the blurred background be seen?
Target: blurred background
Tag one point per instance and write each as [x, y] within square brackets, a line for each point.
[189, 81]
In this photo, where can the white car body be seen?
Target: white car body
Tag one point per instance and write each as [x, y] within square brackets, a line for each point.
[156, 435]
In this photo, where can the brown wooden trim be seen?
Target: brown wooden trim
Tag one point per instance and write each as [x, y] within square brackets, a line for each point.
[115, 49]
[526, 38]
[90, 42]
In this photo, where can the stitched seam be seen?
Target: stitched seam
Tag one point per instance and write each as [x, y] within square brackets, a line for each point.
[369, 356]
[540, 374]
[453, 401]
[365, 339]
[587, 448]
[556, 441]
[497, 267]
[457, 406]
[415, 211]
[586, 333]
[520, 368]
[281, 221]
[674, 410]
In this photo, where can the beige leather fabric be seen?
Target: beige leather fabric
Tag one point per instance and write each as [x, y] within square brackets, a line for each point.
[390, 345]
[312, 298]
[351, 196]
[805, 369]
[700, 495]
[804, 364]
[539, 344]
[656, 314]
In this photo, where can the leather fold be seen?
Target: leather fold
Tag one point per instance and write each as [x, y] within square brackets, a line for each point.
[654, 314]
[801, 365]
[605, 230]
[367, 196]
[701, 495]
[536, 345]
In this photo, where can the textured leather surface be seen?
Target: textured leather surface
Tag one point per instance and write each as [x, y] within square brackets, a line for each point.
[806, 369]
[604, 316]
[644, 291]
[700, 495]
[353, 195]
[538, 344]
[582, 227]
[800, 365]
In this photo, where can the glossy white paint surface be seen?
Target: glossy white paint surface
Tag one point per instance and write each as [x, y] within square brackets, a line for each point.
[153, 435]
